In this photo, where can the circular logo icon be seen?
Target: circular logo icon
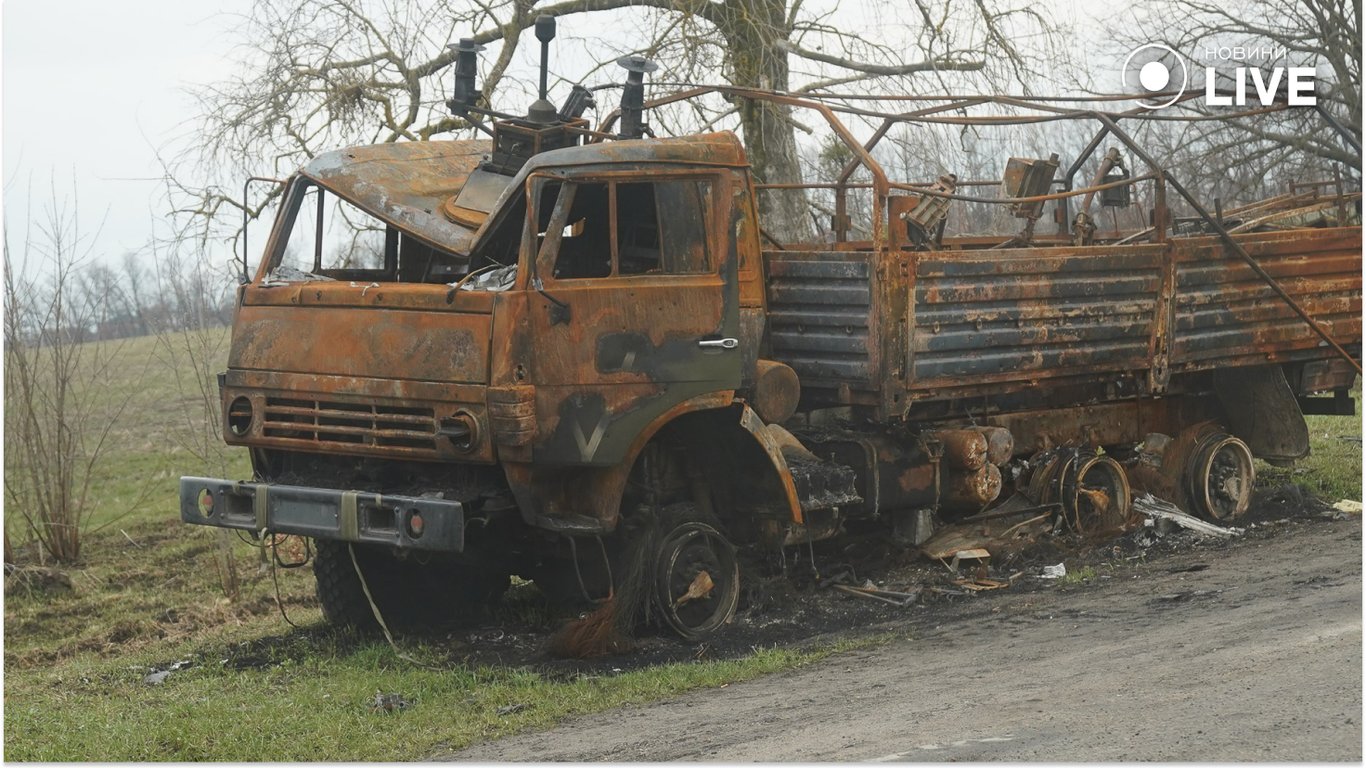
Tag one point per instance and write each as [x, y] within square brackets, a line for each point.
[1156, 70]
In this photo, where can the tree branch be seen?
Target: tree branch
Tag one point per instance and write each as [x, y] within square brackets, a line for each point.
[883, 70]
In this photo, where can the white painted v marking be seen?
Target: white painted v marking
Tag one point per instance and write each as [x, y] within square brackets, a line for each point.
[589, 446]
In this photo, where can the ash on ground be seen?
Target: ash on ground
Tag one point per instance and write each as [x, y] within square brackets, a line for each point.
[810, 600]
[858, 585]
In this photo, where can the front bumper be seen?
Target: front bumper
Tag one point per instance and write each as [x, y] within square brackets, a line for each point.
[324, 513]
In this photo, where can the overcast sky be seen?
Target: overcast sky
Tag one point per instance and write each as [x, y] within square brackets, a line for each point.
[91, 87]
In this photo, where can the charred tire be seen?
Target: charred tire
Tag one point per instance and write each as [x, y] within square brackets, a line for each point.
[339, 590]
[409, 594]
[696, 573]
[1220, 476]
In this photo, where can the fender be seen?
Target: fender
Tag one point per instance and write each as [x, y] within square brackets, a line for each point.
[586, 500]
[772, 445]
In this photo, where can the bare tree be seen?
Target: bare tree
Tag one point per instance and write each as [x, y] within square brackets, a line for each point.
[59, 411]
[135, 289]
[329, 73]
[192, 348]
[97, 288]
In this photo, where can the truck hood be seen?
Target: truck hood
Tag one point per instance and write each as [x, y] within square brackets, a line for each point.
[436, 191]
[415, 185]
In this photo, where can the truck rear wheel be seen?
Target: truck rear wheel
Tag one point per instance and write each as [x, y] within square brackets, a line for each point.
[1220, 475]
[408, 594]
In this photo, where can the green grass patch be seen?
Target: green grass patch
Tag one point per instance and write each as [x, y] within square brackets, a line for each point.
[153, 402]
[314, 701]
[75, 664]
[1079, 576]
[1332, 471]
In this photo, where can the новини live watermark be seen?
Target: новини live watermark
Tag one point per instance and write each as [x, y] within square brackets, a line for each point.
[1233, 76]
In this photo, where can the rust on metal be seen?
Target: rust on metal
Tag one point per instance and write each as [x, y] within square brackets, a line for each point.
[963, 448]
[560, 339]
[777, 391]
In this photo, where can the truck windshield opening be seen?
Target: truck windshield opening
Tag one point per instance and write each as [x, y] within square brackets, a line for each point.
[331, 239]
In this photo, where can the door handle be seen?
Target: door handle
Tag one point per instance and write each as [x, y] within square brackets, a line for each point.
[720, 343]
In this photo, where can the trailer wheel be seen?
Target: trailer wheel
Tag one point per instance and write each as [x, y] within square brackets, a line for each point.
[697, 576]
[1092, 490]
[408, 594]
[1220, 476]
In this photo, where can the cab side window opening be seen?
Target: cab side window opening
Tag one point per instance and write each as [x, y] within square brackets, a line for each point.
[686, 232]
[330, 239]
[638, 229]
[586, 242]
[635, 228]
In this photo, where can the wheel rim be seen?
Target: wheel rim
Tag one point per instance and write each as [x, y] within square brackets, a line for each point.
[1092, 491]
[1098, 496]
[696, 580]
[1221, 477]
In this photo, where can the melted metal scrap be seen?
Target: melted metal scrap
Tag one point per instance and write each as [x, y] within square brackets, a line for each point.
[286, 274]
[500, 279]
[1154, 507]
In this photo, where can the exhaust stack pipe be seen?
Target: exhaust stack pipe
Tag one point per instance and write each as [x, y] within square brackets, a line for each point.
[541, 110]
[545, 32]
[466, 72]
[633, 96]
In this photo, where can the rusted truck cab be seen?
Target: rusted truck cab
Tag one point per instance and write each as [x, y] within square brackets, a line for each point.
[429, 347]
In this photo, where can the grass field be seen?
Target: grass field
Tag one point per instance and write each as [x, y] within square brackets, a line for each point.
[148, 595]
[1333, 469]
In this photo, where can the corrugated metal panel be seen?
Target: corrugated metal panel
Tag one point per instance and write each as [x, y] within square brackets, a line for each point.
[1017, 315]
[819, 307]
[987, 321]
[1225, 313]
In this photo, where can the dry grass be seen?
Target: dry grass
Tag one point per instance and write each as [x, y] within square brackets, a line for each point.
[148, 595]
[1333, 469]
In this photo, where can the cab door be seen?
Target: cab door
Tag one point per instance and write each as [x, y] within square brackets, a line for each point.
[634, 306]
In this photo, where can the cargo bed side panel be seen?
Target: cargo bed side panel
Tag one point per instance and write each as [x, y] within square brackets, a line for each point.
[984, 318]
[1226, 315]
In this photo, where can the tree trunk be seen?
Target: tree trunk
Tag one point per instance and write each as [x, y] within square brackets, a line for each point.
[753, 31]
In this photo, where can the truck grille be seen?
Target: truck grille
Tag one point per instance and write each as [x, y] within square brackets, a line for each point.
[350, 424]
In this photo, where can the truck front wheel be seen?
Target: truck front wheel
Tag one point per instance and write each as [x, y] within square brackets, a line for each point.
[696, 573]
[408, 594]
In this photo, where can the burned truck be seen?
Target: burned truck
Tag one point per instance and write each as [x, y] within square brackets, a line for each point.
[460, 361]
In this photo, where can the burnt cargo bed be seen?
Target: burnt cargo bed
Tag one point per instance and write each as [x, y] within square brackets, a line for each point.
[955, 324]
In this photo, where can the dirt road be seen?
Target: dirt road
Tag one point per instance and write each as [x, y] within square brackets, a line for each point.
[1255, 657]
